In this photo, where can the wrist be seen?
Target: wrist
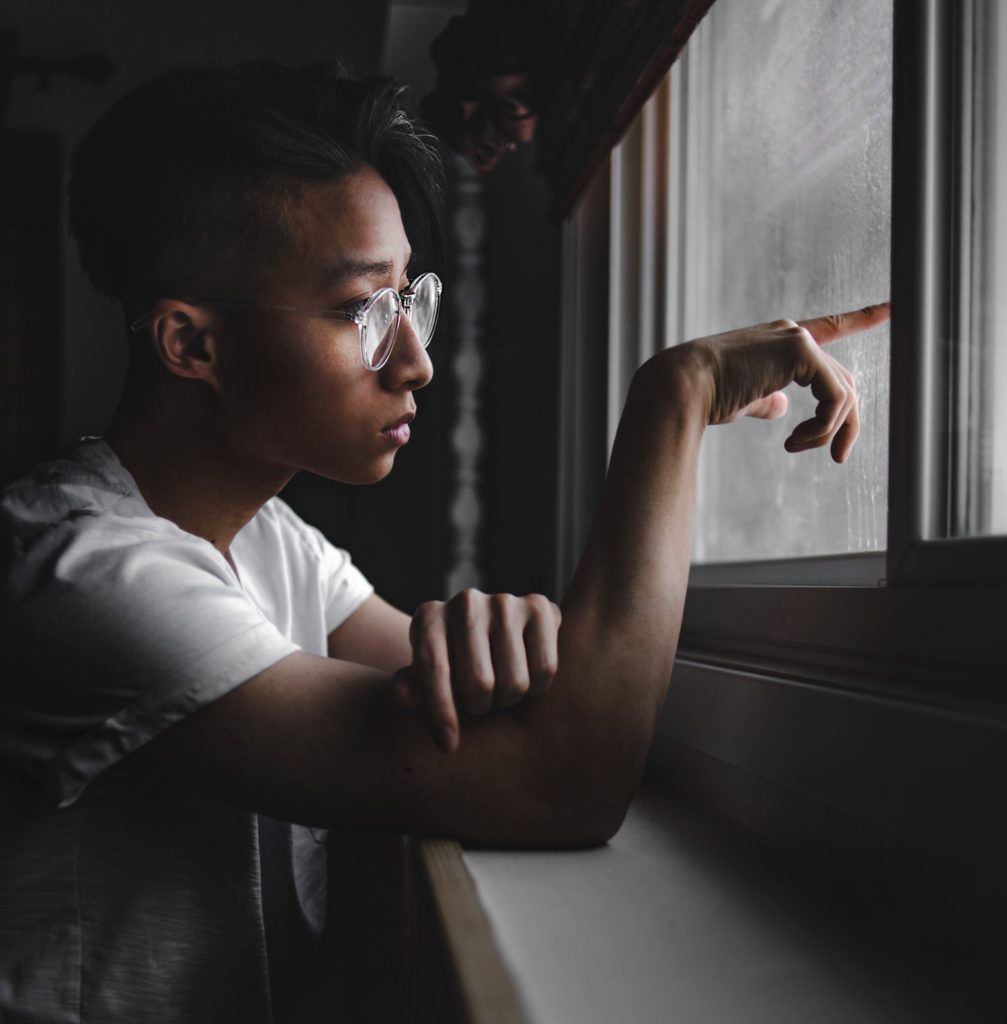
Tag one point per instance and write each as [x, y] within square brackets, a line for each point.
[679, 380]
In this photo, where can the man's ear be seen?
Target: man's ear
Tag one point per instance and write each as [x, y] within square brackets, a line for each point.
[183, 340]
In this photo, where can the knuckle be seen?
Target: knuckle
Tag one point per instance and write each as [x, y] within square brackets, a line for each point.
[502, 604]
[784, 324]
[513, 692]
[424, 618]
[427, 611]
[468, 606]
[478, 695]
[803, 343]
[543, 669]
[481, 683]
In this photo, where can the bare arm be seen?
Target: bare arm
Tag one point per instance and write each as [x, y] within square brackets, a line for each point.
[318, 740]
[376, 634]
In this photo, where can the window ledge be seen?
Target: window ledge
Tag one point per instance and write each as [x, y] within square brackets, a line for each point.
[681, 917]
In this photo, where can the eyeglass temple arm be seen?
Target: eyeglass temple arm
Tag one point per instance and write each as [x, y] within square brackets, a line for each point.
[330, 314]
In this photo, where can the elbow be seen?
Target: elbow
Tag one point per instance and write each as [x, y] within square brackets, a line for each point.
[588, 788]
[593, 830]
[589, 811]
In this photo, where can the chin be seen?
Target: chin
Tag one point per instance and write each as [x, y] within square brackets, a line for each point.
[359, 475]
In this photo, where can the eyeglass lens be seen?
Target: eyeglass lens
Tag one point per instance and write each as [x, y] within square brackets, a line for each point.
[381, 325]
[380, 328]
[423, 314]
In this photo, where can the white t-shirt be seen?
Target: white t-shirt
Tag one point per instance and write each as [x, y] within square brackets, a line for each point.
[134, 899]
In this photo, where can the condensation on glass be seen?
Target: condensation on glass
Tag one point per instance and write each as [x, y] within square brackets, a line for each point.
[979, 499]
[783, 165]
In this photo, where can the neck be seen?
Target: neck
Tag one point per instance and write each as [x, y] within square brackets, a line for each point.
[186, 468]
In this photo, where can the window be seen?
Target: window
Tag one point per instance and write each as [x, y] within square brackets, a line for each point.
[783, 168]
[756, 183]
[764, 173]
[832, 611]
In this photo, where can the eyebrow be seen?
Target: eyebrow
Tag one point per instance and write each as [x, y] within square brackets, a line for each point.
[349, 269]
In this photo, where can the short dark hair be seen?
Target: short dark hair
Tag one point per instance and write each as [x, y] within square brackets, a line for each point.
[190, 170]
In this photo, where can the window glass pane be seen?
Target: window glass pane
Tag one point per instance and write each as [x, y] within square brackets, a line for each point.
[785, 198]
[980, 505]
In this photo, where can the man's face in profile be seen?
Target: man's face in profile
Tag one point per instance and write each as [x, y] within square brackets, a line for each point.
[294, 390]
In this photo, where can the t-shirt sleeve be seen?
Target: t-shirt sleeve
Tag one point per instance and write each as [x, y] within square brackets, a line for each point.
[117, 630]
[346, 587]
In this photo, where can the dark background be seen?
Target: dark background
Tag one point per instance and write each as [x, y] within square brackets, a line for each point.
[63, 347]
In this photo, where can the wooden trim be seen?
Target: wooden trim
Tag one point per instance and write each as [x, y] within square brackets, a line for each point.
[918, 775]
[865, 569]
[485, 990]
[946, 642]
[616, 56]
[923, 269]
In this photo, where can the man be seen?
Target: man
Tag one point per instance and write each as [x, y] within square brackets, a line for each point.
[196, 668]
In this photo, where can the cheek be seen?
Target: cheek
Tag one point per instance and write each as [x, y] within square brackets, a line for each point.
[298, 385]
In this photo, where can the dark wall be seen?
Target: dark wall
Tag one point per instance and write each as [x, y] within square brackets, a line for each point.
[30, 287]
[520, 398]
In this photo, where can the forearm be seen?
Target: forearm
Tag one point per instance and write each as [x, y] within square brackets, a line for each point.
[623, 609]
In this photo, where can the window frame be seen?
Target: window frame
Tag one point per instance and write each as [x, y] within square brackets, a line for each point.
[932, 70]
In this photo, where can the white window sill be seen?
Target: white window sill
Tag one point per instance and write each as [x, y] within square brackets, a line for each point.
[680, 918]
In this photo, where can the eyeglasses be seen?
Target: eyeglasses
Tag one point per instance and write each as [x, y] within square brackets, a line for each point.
[377, 317]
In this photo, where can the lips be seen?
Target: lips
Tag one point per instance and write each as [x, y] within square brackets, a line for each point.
[408, 418]
[398, 432]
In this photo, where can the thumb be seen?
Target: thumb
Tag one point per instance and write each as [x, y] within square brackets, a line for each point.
[772, 407]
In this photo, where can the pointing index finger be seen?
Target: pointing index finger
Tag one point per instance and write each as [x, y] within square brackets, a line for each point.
[826, 329]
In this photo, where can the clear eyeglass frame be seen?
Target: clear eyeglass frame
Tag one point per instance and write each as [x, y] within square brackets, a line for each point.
[402, 302]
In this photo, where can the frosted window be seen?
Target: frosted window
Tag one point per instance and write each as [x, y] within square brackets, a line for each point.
[785, 199]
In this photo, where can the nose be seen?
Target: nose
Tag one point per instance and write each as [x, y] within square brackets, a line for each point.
[408, 364]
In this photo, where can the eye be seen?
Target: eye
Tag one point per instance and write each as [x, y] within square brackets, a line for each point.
[354, 307]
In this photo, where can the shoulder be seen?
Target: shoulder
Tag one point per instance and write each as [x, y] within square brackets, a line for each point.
[78, 484]
[78, 522]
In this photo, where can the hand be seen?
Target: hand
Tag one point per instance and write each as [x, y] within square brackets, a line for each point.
[745, 371]
[476, 652]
